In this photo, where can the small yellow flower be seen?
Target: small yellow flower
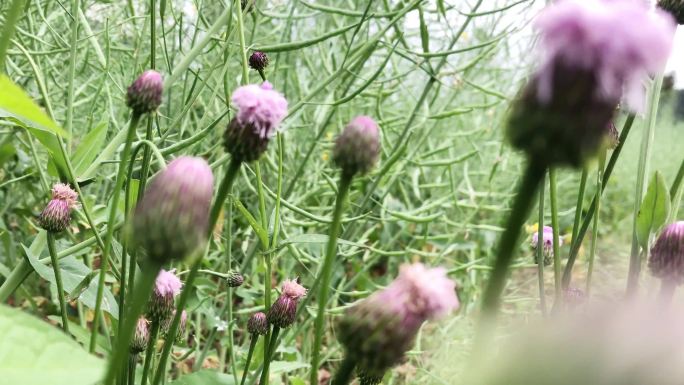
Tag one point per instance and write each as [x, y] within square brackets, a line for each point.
[325, 156]
[531, 229]
[329, 136]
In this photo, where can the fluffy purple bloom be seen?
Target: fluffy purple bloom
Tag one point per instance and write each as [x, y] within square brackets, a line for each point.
[56, 216]
[161, 305]
[145, 94]
[260, 107]
[600, 36]
[284, 310]
[257, 324]
[547, 243]
[172, 219]
[141, 336]
[260, 111]
[594, 56]
[358, 147]
[667, 254]
[379, 330]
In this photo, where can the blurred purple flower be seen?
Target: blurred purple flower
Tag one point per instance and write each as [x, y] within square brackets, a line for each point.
[620, 41]
[261, 107]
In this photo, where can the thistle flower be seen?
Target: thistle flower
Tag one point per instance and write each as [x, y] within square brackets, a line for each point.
[56, 216]
[161, 305]
[166, 325]
[592, 59]
[283, 311]
[675, 8]
[257, 324]
[172, 219]
[358, 147]
[145, 94]
[141, 337]
[667, 254]
[366, 379]
[258, 61]
[380, 329]
[260, 111]
[547, 244]
[234, 279]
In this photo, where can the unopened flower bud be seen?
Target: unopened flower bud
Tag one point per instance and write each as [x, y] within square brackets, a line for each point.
[145, 94]
[284, 310]
[358, 147]
[234, 279]
[258, 61]
[380, 329]
[56, 216]
[141, 337]
[172, 219]
[161, 305]
[675, 8]
[667, 254]
[257, 324]
[166, 325]
[260, 111]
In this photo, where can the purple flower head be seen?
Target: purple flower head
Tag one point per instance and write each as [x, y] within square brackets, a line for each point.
[358, 147]
[258, 61]
[547, 243]
[593, 35]
[56, 216]
[284, 310]
[172, 219]
[380, 329]
[594, 56]
[667, 254]
[166, 287]
[141, 337]
[260, 111]
[145, 94]
[260, 107]
[257, 324]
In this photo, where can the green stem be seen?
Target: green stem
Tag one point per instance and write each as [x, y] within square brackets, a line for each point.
[326, 273]
[141, 294]
[149, 352]
[132, 361]
[11, 19]
[508, 243]
[58, 280]
[73, 45]
[594, 236]
[553, 192]
[580, 204]
[345, 372]
[269, 355]
[221, 195]
[642, 172]
[540, 250]
[577, 243]
[252, 344]
[243, 50]
[110, 228]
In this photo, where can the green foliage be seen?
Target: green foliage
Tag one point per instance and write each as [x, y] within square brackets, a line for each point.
[33, 352]
[654, 209]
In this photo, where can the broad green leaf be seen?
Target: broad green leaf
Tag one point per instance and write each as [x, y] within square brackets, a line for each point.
[205, 377]
[654, 210]
[287, 366]
[89, 149]
[33, 352]
[51, 144]
[16, 103]
[74, 272]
